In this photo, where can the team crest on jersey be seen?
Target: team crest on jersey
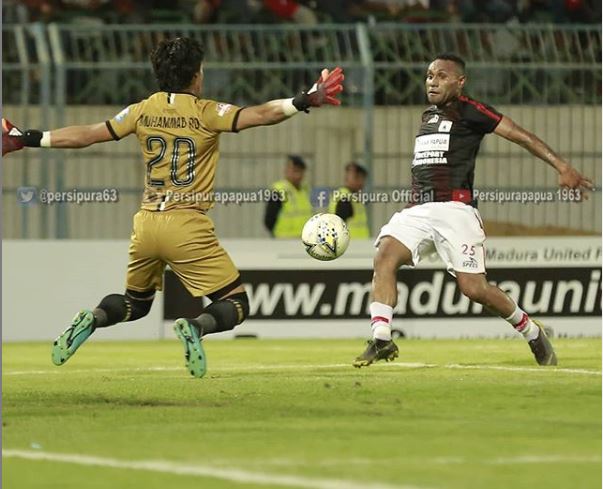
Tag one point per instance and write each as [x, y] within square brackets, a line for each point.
[122, 115]
[222, 109]
[434, 119]
[445, 126]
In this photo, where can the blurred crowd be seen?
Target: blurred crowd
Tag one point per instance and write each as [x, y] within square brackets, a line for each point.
[304, 11]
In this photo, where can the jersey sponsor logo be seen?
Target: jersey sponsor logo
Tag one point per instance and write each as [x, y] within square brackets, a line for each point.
[122, 115]
[430, 149]
[430, 158]
[223, 109]
[445, 126]
[432, 142]
[470, 263]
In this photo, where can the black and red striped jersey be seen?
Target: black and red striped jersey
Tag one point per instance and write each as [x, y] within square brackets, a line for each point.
[445, 149]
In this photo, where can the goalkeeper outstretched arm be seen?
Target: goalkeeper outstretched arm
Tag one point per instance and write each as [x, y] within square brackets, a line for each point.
[80, 136]
[14, 139]
[324, 92]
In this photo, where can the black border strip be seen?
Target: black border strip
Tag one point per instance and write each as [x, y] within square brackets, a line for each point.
[115, 136]
[235, 120]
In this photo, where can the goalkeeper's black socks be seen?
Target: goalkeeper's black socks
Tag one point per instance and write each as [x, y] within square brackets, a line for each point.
[205, 324]
[119, 308]
[222, 315]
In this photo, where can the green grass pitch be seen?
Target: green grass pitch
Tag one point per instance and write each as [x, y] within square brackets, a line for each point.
[465, 414]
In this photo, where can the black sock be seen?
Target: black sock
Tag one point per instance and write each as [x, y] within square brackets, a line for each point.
[100, 318]
[118, 308]
[205, 323]
[223, 315]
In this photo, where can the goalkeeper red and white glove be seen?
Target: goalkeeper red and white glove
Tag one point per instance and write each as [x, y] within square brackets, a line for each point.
[12, 137]
[324, 91]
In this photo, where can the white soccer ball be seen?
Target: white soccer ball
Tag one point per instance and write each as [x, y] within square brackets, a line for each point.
[325, 236]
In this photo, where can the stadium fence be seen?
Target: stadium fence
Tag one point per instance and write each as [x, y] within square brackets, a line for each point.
[547, 77]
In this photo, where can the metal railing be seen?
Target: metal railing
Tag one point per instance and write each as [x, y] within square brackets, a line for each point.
[26, 82]
[546, 77]
[508, 64]
[111, 64]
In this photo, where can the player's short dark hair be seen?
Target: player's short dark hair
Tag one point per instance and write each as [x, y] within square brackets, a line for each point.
[460, 62]
[297, 161]
[175, 63]
[357, 167]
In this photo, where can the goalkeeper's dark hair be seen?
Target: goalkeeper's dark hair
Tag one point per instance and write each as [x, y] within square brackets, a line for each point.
[175, 63]
[457, 60]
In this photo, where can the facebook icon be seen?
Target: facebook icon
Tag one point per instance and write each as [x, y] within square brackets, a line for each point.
[320, 197]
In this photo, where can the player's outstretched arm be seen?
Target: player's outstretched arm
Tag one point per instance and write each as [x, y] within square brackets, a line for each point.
[324, 92]
[13, 139]
[569, 177]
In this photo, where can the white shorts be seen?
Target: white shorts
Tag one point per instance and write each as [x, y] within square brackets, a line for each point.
[453, 230]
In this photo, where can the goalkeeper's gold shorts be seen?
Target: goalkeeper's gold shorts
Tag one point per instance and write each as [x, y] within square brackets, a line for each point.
[185, 240]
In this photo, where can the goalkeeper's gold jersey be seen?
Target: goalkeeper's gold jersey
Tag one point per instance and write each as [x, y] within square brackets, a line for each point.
[179, 138]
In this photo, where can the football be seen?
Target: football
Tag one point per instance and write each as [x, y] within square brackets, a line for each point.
[325, 237]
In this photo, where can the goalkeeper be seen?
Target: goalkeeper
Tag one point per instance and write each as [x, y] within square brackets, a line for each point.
[178, 132]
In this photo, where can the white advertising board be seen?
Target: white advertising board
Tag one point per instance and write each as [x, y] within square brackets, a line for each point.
[292, 295]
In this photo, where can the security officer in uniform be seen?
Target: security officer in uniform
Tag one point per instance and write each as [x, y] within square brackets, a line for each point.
[290, 208]
[346, 206]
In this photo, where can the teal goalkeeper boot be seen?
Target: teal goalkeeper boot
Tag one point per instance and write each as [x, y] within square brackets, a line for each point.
[194, 355]
[72, 338]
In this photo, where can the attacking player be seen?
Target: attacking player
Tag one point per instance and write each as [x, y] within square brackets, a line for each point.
[178, 132]
[442, 216]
